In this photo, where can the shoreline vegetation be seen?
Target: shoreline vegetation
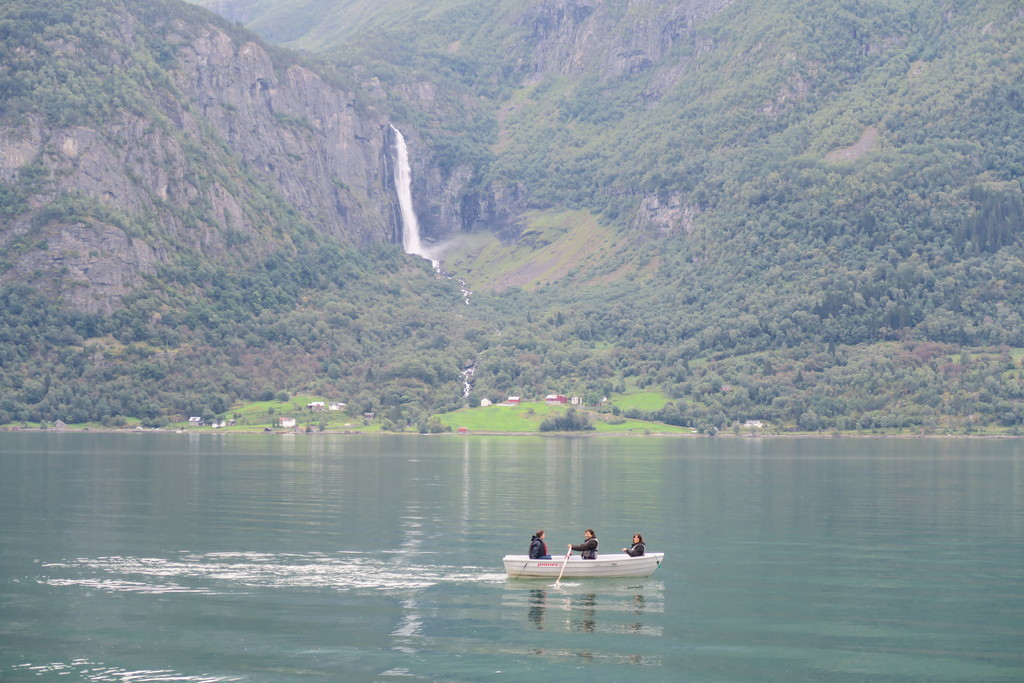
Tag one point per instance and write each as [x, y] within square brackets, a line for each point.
[589, 435]
[289, 416]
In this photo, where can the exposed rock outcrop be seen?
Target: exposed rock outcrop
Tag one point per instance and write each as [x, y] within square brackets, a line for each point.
[328, 161]
[229, 142]
[665, 214]
[570, 36]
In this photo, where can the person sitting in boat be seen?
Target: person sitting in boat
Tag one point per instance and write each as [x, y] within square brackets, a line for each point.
[637, 549]
[538, 548]
[588, 549]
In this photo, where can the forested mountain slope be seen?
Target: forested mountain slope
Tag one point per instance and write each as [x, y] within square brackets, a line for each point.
[805, 212]
[787, 175]
[181, 208]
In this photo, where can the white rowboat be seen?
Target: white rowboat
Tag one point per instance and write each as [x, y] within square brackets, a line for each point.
[605, 566]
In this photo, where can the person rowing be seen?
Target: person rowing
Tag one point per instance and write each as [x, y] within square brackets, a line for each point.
[588, 549]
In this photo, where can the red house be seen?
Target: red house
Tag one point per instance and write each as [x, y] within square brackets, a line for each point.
[556, 399]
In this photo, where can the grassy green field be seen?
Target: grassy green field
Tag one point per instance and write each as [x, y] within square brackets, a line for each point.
[527, 417]
[642, 400]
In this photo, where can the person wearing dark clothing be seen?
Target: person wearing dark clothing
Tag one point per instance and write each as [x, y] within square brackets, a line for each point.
[538, 548]
[637, 549]
[588, 549]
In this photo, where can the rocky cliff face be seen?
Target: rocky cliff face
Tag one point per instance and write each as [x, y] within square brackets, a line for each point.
[618, 39]
[232, 156]
[304, 136]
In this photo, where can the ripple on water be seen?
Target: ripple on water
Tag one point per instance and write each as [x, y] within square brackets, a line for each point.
[86, 670]
[227, 572]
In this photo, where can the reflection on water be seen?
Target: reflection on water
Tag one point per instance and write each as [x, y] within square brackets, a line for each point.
[597, 608]
[594, 607]
[538, 605]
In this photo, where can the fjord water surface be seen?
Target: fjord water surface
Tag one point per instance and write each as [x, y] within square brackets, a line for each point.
[219, 557]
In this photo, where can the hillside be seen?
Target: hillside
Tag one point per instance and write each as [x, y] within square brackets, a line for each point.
[808, 213]
[191, 218]
[785, 178]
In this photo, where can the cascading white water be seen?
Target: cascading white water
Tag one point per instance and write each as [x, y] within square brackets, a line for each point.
[403, 185]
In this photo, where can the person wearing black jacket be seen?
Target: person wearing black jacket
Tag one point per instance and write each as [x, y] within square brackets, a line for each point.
[588, 549]
[637, 549]
[538, 548]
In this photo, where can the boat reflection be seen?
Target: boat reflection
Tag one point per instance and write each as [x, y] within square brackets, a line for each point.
[538, 605]
[615, 608]
[584, 609]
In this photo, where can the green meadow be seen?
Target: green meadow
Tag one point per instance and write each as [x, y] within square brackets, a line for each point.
[528, 416]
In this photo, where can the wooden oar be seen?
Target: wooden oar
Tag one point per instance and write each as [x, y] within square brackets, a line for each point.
[559, 579]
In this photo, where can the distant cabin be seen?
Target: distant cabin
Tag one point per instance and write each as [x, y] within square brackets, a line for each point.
[556, 399]
[484, 402]
[316, 406]
[512, 400]
[336, 406]
[195, 422]
[286, 422]
[463, 430]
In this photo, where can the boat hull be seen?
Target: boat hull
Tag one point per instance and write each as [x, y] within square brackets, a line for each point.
[616, 565]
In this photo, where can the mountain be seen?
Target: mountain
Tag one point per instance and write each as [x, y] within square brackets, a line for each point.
[173, 132]
[182, 211]
[809, 213]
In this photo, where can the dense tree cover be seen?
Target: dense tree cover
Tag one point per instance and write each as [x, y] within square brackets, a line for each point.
[571, 421]
[372, 328]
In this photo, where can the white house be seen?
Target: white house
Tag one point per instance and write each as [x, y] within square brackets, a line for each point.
[286, 422]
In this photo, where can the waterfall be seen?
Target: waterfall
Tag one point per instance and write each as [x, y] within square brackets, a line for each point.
[403, 185]
[467, 380]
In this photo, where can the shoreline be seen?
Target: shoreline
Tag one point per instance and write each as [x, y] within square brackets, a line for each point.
[589, 435]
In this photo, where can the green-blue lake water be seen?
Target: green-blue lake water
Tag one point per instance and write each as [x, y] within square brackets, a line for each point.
[165, 557]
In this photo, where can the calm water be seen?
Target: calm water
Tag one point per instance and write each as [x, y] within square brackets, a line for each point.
[162, 557]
